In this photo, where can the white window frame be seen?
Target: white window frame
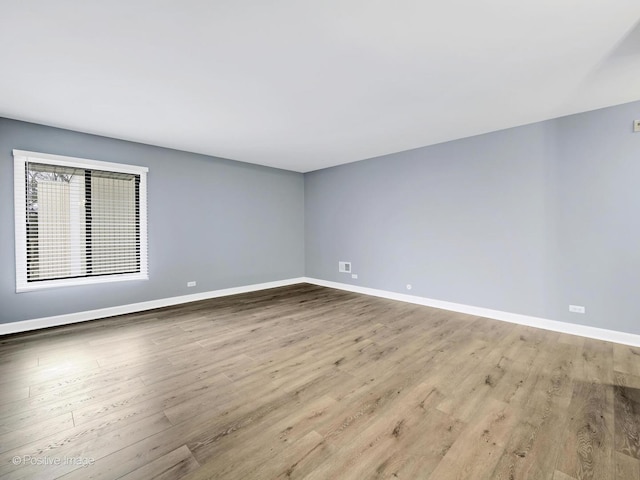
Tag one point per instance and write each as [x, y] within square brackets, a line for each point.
[20, 160]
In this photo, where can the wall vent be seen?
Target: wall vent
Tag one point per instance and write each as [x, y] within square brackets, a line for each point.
[344, 267]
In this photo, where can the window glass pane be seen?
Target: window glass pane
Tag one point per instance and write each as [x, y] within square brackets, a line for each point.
[55, 219]
[81, 222]
[114, 223]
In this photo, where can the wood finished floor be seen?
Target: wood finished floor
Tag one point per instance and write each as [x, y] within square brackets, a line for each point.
[314, 383]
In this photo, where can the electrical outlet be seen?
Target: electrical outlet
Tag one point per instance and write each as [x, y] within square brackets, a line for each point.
[354, 276]
[191, 284]
[344, 267]
[636, 125]
[577, 309]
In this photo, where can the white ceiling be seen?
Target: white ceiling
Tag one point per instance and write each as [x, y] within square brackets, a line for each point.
[306, 85]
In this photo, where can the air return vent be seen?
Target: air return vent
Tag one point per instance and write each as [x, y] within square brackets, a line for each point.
[344, 267]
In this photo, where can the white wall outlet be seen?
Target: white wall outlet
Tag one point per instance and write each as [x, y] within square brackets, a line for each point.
[577, 309]
[191, 284]
[354, 276]
[344, 267]
[409, 286]
[636, 125]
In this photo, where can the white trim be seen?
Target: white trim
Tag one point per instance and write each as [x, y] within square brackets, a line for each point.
[64, 161]
[20, 227]
[20, 160]
[38, 323]
[142, 222]
[537, 322]
[74, 282]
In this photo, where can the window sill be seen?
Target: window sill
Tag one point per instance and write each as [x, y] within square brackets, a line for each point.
[73, 282]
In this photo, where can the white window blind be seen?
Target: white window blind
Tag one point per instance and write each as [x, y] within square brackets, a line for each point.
[78, 221]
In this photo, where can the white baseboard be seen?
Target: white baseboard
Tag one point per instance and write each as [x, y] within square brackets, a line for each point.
[35, 324]
[553, 325]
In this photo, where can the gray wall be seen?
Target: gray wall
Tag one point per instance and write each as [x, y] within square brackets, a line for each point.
[219, 222]
[526, 220]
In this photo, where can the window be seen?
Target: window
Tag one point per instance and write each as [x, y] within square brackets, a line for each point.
[78, 221]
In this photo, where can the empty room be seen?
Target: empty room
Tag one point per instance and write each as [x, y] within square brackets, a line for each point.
[326, 240]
